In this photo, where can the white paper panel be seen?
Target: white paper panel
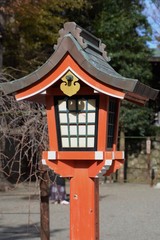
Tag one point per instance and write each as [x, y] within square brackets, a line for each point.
[91, 104]
[91, 117]
[82, 142]
[65, 142]
[72, 118]
[91, 129]
[82, 117]
[74, 142]
[64, 130]
[82, 130]
[63, 118]
[62, 105]
[73, 130]
[90, 142]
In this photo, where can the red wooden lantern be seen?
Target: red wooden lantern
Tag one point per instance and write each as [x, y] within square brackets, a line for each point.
[82, 94]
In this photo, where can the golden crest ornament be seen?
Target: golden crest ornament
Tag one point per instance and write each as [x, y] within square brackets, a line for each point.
[70, 85]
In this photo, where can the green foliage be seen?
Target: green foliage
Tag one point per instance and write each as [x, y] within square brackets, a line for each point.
[33, 27]
[136, 121]
[156, 129]
[124, 29]
[32, 30]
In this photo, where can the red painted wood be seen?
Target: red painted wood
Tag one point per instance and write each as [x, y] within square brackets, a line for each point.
[51, 119]
[58, 72]
[84, 205]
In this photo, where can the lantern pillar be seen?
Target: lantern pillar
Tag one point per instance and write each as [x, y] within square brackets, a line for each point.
[83, 166]
[84, 205]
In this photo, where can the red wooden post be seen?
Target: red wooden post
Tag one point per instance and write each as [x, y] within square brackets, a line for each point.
[84, 205]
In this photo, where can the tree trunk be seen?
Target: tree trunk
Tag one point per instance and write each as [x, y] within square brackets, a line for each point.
[44, 203]
[2, 148]
[2, 142]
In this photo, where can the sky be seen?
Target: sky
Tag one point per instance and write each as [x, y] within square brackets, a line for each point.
[153, 16]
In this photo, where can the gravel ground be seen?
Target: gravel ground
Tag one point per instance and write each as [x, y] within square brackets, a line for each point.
[127, 212]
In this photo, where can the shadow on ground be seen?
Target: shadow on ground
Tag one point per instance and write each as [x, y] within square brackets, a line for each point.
[24, 232]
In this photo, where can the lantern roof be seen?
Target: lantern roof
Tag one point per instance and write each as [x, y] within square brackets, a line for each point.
[89, 53]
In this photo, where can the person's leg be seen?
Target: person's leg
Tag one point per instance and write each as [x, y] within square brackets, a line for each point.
[54, 193]
[62, 195]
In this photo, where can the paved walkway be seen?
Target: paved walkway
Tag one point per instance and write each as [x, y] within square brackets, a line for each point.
[127, 212]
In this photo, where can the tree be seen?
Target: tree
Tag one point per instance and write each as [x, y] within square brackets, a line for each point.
[31, 31]
[23, 136]
[125, 30]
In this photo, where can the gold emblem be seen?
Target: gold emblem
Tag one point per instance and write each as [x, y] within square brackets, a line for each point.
[70, 85]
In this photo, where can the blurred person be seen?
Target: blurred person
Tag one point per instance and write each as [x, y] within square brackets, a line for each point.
[58, 189]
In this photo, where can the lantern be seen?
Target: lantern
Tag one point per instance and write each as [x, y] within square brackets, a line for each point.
[82, 94]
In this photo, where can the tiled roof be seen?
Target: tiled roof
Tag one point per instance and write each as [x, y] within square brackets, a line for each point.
[89, 52]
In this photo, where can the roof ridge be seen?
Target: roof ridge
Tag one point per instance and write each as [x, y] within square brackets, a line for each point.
[84, 38]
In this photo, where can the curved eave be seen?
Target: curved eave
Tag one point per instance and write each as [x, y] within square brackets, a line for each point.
[57, 74]
[94, 65]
